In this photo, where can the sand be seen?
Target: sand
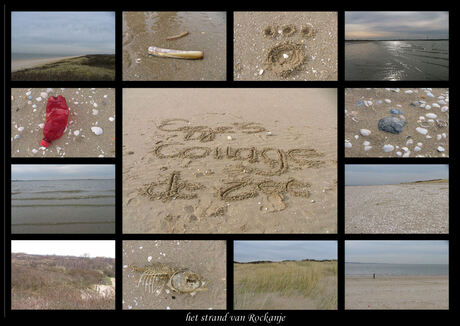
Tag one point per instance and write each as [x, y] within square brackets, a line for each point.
[359, 116]
[263, 161]
[405, 208]
[285, 46]
[397, 292]
[206, 258]
[206, 33]
[17, 65]
[78, 140]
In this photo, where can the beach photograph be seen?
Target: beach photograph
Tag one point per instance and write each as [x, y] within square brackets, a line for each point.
[397, 45]
[179, 45]
[397, 198]
[62, 46]
[62, 122]
[174, 274]
[285, 275]
[393, 274]
[62, 198]
[397, 122]
[227, 160]
[62, 275]
[285, 46]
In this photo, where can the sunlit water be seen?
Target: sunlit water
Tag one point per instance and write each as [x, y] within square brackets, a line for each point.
[397, 60]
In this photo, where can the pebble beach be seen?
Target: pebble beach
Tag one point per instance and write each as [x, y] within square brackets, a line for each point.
[394, 122]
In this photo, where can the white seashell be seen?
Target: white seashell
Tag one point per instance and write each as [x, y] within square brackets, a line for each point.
[409, 92]
[431, 115]
[388, 148]
[421, 130]
[285, 56]
[356, 137]
[398, 153]
[427, 107]
[44, 94]
[366, 148]
[76, 132]
[97, 130]
[428, 137]
[366, 143]
[348, 144]
[420, 144]
[261, 71]
[20, 129]
[229, 138]
[269, 133]
[111, 119]
[409, 142]
[95, 112]
[444, 135]
[417, 149]
[435, 105]
[405, 149]
[34, 151]
[38, 99]
[444, 109]
[429, 94]
[17, 136]
[438, 137]
[442, 102]
[28, 93]
[406, 154]
[95, 105]
[440, 149]
[388, 101]
[365, 132]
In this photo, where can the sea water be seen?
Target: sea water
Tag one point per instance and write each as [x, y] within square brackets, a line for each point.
[63, 206]
[397, 60]
[395, 269]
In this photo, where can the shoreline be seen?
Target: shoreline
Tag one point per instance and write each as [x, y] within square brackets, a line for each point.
[18, 65]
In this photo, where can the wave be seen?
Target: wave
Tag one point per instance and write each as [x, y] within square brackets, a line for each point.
[64, 205]
[65, 198]
[62, 223]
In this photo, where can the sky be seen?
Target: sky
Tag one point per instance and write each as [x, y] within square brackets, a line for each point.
[63, 33]
[96, 248]
[397, 252]
[378, 25]
[245, 251]
[61, 171]
[377, 174]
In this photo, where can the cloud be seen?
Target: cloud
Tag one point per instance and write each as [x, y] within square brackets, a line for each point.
[396, 25]
[61, 171]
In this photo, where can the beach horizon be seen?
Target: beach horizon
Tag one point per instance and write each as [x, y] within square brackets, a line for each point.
[21, 64]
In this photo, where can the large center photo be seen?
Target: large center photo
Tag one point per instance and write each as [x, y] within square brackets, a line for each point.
[221, 160]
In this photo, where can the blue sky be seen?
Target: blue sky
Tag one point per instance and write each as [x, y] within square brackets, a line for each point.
[95, 248]
[61, 171]
[397, 252]
[376, 174]
[245, 251]
[63, 33]
[377, 25]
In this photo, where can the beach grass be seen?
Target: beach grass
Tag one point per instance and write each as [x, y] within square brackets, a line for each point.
[96, 67]
[315, 280]
[60, 282]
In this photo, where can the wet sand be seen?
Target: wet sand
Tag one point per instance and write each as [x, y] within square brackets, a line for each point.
[408, 208]
[317, 51]
[17, 65]
[397, 292]
[364, 107]
[233, 161]
[206, 258]
[206, 32]
[78, 140]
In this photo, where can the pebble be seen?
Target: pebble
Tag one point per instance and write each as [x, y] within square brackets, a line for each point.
[365, 132]
[388, 148]
[229, 138]
[391, 124]
[395, 111]
[97, 130]
[421, 130]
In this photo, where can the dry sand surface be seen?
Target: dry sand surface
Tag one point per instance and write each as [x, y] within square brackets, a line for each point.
[206, 33]
[397, 292]
[17, 65]
[285, 46]
[424, 108]
[206, 258]
[89, 107]
[230, 161]
[405, 208]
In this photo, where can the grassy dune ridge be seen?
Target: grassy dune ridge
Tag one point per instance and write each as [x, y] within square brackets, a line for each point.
[88, 67]
[60, 282]
[314, 280]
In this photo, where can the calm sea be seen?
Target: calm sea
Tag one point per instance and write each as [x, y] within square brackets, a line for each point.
[63, 206]
[397, 60]
[396, 269]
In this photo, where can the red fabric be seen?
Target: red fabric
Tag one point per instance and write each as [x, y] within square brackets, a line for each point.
[57, 114]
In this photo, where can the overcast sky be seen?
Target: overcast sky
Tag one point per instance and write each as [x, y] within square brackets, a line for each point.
[98, 248]
[245, 251]
[63, 33]
[380, 25]
[397, 252]
[376, 174]
[61, 171]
